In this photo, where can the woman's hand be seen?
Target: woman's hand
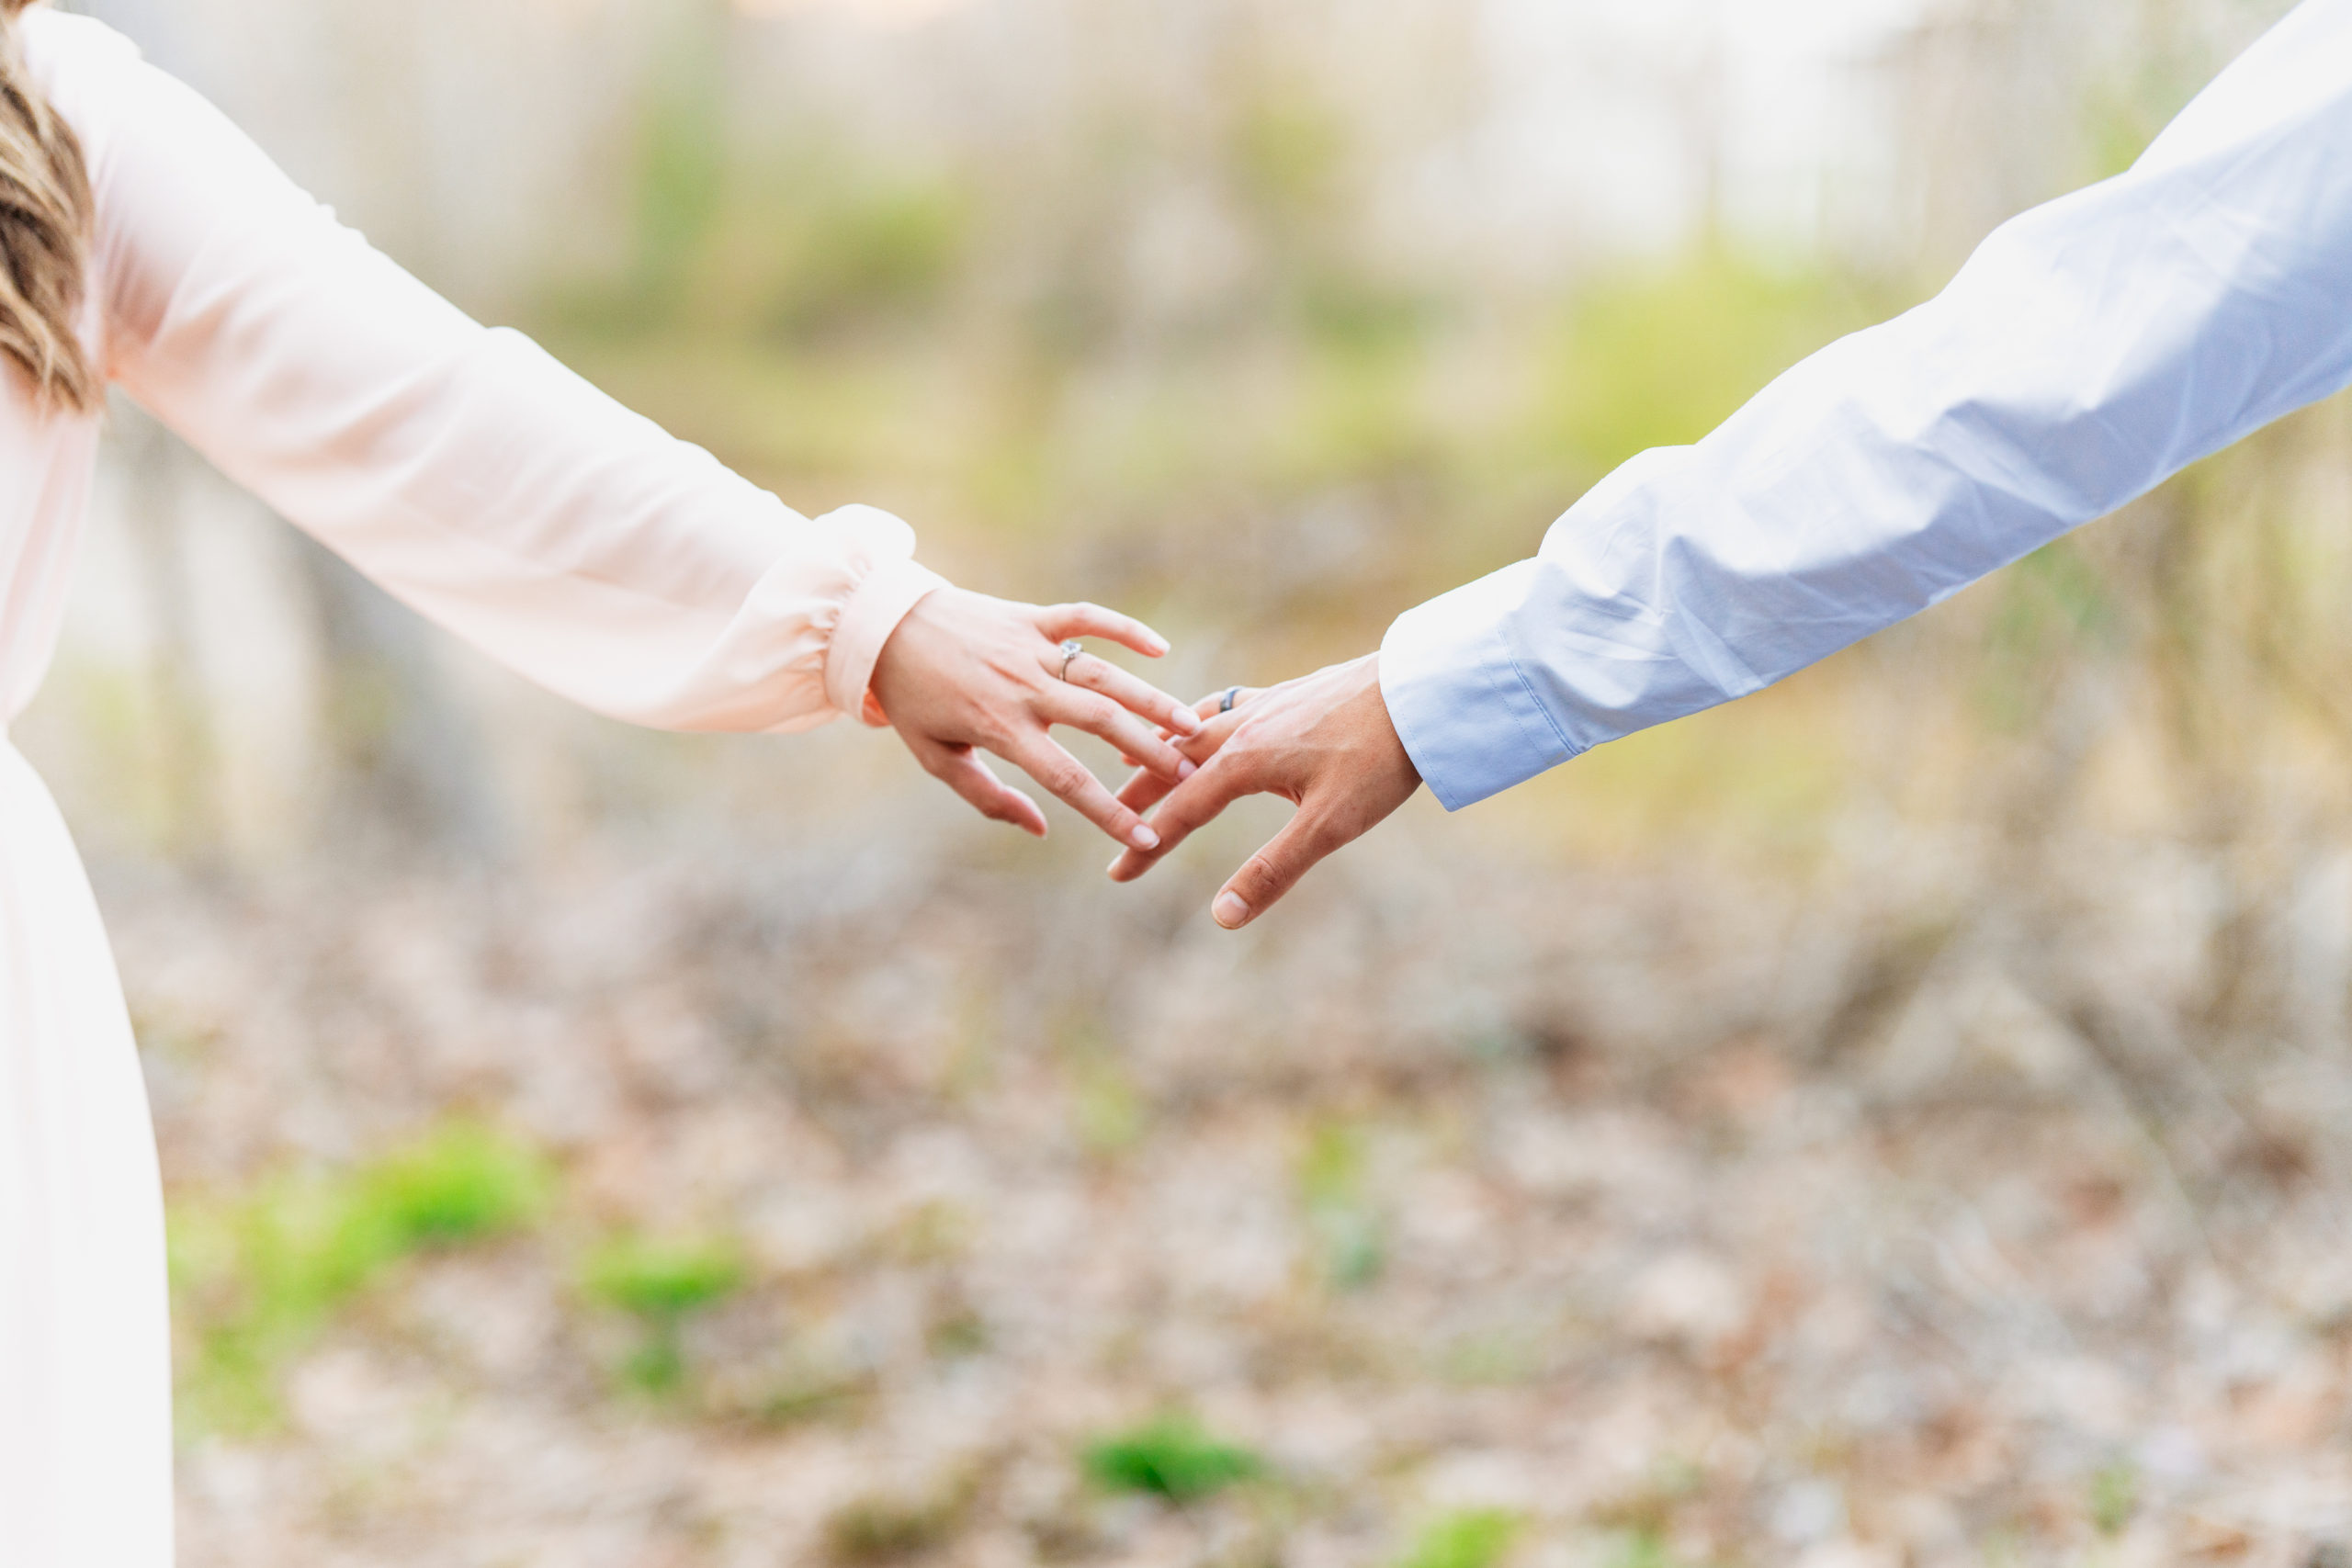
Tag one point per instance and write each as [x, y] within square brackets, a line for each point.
[965, 673]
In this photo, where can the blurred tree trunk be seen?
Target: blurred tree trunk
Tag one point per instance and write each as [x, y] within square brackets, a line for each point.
[187, 770]
[406, 766]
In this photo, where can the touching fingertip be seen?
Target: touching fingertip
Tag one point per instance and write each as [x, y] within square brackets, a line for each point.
[1144, 839]
[1185, 769]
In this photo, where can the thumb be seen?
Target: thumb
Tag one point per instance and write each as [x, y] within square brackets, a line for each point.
[1275, 870]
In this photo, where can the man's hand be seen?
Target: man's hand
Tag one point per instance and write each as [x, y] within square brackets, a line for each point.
[965, 673]
[1324, 743]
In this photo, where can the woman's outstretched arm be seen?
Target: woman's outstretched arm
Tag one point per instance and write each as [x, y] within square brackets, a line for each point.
[507, 500]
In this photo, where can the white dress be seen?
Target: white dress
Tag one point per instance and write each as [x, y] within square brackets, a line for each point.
[462, 467]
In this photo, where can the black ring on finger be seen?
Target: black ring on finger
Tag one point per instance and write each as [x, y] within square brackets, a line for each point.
[1225, 703]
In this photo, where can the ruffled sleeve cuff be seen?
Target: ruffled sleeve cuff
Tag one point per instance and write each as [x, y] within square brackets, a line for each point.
[893, 586]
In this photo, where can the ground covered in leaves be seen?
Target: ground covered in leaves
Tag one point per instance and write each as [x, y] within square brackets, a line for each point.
[689, 1203]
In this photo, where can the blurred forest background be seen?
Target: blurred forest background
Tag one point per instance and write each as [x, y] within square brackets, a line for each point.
[1899, 1118]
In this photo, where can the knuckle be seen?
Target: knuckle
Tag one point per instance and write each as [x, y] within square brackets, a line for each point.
[1176, 818]
[1262, 870]
[1243, 772]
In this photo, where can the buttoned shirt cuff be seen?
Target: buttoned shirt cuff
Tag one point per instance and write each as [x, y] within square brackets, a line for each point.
[1465, 713]
[894, 587]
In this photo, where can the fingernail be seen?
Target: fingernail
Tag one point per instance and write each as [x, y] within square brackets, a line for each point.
[1230, 911]
[1185, 769]
[1144, 839]
[1188, 721]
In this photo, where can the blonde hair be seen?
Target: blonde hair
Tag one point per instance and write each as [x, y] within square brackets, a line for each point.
[45, 223]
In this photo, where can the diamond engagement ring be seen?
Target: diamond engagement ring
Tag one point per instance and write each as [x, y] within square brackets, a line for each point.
[1070, 650]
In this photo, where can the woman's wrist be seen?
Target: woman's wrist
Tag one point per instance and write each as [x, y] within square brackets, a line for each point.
[893, 588]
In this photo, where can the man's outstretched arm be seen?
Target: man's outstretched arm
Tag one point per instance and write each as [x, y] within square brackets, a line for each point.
[2090, 350]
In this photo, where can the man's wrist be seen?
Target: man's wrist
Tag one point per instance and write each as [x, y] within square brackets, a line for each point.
[1404, 754]
[1462, 708]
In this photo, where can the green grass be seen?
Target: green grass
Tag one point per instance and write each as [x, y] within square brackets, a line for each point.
[2115, 1498]
[460, 1184]
[657, 1279]
[1109, 1116]
[1469, 1537]
[1171, 1458]
[661, 1283]
[257, 1276]
[1643, 1549]
[1351, 1238]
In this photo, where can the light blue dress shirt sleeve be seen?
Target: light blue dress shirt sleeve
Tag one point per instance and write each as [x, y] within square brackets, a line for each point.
[2090, 350]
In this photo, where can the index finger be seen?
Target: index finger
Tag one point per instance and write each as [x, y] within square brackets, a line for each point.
[1061, 622]
[1135, 740]
[1192, 805]
[1133, 693]
[1147, 789]
[1065, 777]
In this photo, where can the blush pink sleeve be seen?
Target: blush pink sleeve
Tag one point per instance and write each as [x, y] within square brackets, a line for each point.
[463, 467]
